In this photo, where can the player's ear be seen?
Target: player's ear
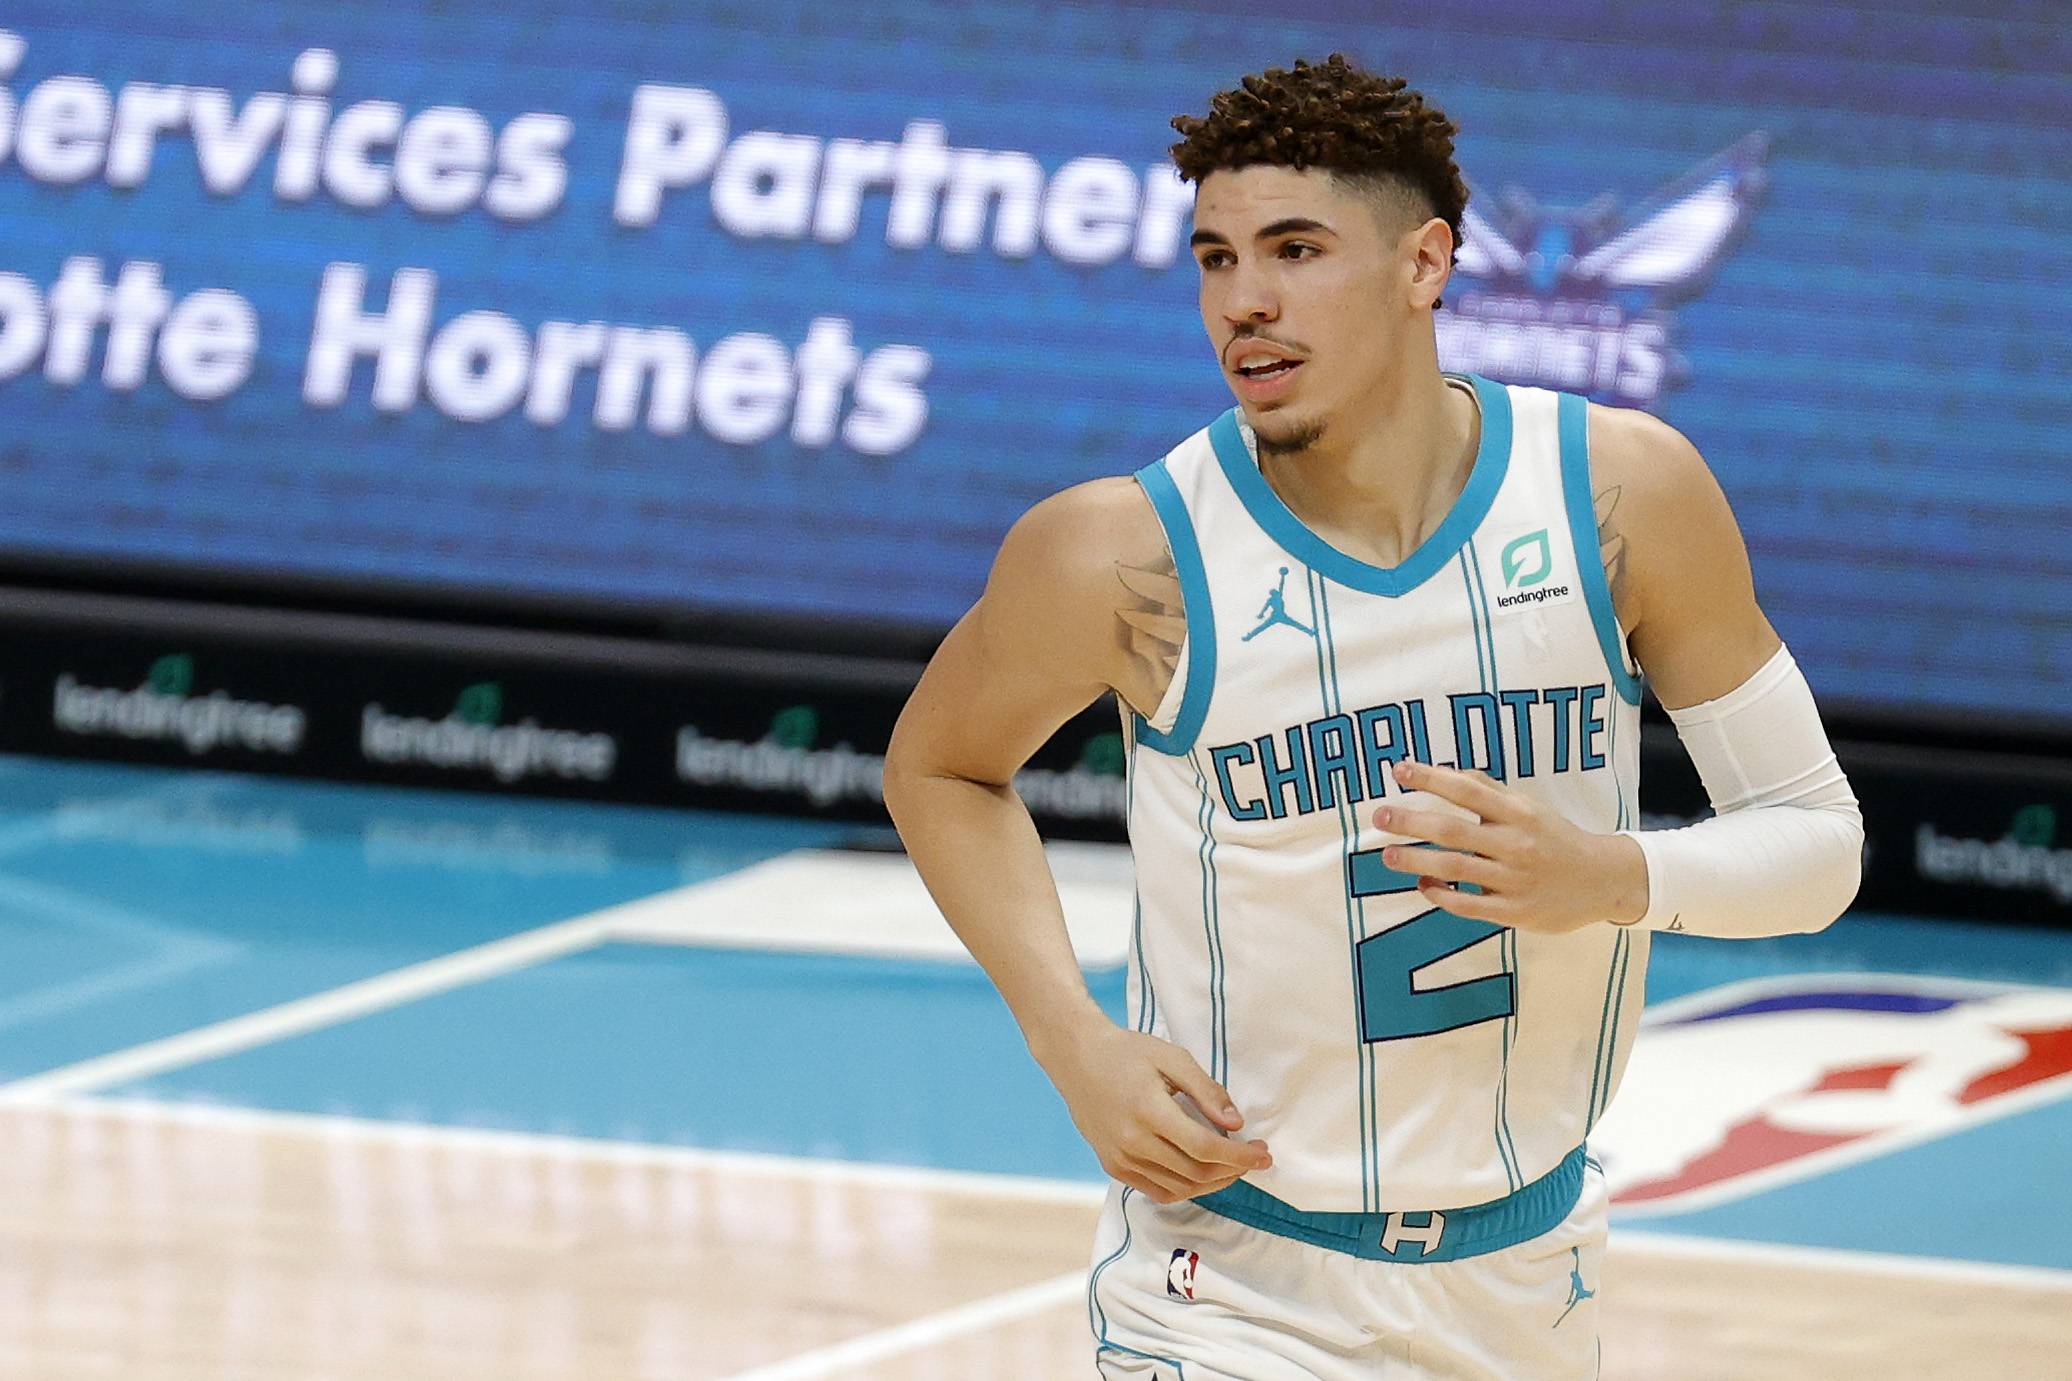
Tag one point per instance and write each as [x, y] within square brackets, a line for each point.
[1429, 252]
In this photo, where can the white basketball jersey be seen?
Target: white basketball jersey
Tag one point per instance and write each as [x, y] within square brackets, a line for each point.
[1392, 1056]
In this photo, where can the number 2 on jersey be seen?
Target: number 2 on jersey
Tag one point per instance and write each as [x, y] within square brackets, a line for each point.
[1392, 1006]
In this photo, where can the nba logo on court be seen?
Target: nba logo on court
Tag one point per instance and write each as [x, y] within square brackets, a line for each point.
[1180, 1273]
[1758, 1084]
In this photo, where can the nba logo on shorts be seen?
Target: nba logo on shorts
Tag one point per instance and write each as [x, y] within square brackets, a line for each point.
[1180, 1273]
[1753, 1085]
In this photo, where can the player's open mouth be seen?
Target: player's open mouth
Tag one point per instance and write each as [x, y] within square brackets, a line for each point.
[1263, 377]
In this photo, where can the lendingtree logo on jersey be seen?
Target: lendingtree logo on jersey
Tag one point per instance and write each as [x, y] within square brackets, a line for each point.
[1525, 563]
[166, 707]
[1573, 298]
[473, 737]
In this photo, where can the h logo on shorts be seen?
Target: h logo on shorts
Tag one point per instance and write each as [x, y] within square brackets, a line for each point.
[1180, 1273]
[1401, 1230]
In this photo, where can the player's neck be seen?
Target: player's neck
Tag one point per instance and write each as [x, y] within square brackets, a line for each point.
[1382, 479]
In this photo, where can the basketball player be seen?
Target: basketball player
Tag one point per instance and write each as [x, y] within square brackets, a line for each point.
[1378, 636]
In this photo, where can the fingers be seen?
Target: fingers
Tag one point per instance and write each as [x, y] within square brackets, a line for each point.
[1166, 1192]
[1433, 827]
[1204, 1148]
[1168, 1169]
[1445, 864]
[1183, 1075]
[1165, 1134]
[1165, 1184]
[1156, 1185]
[1200, 1170]
[1476, 907]
[1478, 791]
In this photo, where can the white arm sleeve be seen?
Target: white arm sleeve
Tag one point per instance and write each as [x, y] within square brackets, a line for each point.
[1784, 853]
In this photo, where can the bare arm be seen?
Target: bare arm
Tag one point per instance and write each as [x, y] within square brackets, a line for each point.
[1784, 852]
[1675, 560]
[1075, 605]
[1023, 660]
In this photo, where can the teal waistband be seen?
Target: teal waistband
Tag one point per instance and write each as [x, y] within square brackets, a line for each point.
[1423, 1236]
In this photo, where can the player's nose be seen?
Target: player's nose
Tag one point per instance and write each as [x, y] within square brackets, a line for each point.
[1250, 298]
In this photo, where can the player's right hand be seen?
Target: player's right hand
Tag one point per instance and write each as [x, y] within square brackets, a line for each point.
[1128, 1094]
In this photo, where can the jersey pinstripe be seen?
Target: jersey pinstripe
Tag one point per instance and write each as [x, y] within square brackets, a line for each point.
[1393, 1056]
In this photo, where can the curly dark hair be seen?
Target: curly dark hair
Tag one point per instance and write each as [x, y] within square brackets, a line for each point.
[1367, 129]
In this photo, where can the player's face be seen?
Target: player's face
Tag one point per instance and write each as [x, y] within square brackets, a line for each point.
[1301, 293]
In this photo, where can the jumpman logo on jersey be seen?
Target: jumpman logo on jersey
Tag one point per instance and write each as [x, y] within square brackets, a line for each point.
[1577, 1293]
[1275, 610]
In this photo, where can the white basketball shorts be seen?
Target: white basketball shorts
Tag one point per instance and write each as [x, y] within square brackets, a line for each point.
[1183, 1293]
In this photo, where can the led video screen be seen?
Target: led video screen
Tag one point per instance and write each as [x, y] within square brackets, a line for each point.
[784, 312]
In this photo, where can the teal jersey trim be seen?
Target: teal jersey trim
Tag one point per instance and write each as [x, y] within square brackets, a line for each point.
[1097, 1317]
[1201, 619]
[1474, 1231]
[1492, 458]
[1574, 428]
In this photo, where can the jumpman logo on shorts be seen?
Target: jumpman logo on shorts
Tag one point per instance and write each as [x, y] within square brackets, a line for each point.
[1577, 1292]
[1275, 610]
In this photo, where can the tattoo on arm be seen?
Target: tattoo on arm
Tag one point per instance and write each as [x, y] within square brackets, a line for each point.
[1611, 543]
[1151, 625]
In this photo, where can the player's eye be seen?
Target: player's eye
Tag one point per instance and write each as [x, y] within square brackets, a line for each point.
[1297, 249]
[1214, 259]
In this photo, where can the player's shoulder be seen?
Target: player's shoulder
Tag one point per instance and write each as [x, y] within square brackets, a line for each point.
[1658, 502]
[1058, 582]
[1077, 535]
[1071, 543]
[1650, 460]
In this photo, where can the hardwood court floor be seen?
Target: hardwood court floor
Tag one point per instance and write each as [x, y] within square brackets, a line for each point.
[152, 1243]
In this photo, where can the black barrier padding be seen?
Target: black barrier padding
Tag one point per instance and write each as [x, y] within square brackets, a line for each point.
[1947, 832]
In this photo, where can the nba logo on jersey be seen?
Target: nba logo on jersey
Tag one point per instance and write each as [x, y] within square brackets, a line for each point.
[1180, 1273]
[1743, 1088]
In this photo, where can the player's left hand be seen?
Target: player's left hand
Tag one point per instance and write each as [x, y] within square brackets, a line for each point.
[1537, 870]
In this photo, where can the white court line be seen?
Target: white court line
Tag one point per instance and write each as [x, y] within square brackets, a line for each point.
[923, 1332]
[636, 921]
[828, 901]
[319, 1010]
[1639, 1242]
[170, 951]
[1625, 1242]
[660, 918]
[494, 1141]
